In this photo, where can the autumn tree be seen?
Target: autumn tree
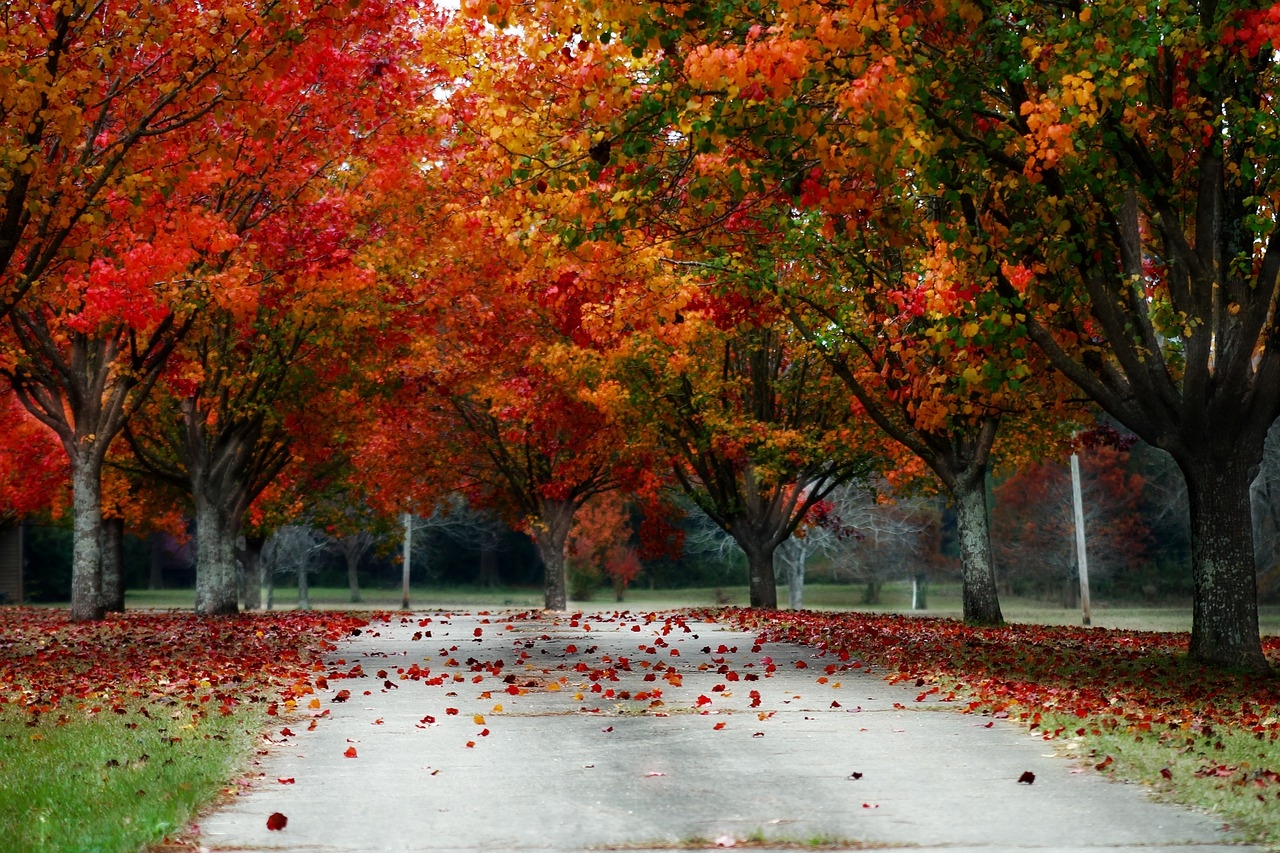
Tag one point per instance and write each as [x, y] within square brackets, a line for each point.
[1035, 524]
[755, 426]
[33, 468]
[268, 153]
[1118, 156]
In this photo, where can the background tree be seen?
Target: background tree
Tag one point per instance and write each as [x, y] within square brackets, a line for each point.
[756, 437]
[1035, 523]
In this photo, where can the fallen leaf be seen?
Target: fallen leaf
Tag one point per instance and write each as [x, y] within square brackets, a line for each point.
[277, 822]
[351, 752]
[285, 780]
[1027, 778]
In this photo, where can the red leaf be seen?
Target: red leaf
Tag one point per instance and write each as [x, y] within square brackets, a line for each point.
[452, 712]
[342, 696]
[351, 752]
[1104, 764]
[1166, 773]
[277, 822]
[1027, 778]
[283, 780]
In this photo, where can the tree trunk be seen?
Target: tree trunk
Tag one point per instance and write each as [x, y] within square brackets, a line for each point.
[555, 592]
[761, 583]
[795, 582]
[251, 560]
[113, 565]
[551, 533]
[353, 574]
[489, 559]
[86, 543]
[155, 547]
[919, 591]
[304, 590]
[977, 571]
[871, 594]
[217, 592]
[1224, 627]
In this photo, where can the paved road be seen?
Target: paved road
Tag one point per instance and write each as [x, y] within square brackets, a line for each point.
[614, 732]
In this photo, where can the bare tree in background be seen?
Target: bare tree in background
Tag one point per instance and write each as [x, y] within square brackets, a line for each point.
[293, 550]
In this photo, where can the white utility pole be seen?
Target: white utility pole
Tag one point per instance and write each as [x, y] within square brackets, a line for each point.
[1082, 557]
[408, 559]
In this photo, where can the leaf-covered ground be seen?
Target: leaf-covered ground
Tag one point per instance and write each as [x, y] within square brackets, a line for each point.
[1108, 679]
[205, 664]
[113, 734]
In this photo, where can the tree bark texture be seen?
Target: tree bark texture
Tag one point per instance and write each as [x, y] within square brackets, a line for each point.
[251, 560]
[761, 583]
[113, 565]
[217, 588]
[795, 583]
[1224, 630]
[550, 534]
[973, 523]
[86, 543]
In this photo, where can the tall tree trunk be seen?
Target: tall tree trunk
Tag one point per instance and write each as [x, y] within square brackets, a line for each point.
[489, 559]
[795, 581]
[155, 548]
[353, 574]
[217, 592]
[304, 589]
[86, 543]
[113, 565]
[1224, 628]
[550, 535]
[977, 570]
[761, 583]
[251, 560]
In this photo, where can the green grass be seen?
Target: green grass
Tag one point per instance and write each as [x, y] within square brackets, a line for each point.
[944, 601]
[109, 781]
[1227, 771]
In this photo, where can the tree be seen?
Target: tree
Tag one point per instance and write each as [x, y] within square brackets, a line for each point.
[1125, 175]
[756, 437]
[1035, 527]
[318, 162]
[155, 240]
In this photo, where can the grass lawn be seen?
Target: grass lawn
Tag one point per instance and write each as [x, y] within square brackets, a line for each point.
[114, 779]
[944, 601]
[113, 733]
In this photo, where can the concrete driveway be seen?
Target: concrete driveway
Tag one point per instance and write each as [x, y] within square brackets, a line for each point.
[619, 731]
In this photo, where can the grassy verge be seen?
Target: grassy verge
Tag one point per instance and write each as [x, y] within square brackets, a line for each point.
[113, 733]
[109, 781]
[1226, 771]
[944, 602]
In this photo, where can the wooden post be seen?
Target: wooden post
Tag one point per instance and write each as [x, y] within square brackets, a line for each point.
[1082, 556]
